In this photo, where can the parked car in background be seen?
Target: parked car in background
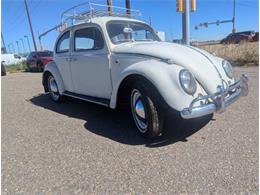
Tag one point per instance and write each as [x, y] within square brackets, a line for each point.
[256, 37]
[11, 59]
[36, 61]
[234, 38]
[115, 61]
[3, 71]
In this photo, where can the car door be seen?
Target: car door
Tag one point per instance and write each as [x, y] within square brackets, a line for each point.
[90, 63]
[62, 59]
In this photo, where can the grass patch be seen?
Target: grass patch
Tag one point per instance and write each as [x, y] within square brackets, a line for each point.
[239, 54]
[20, 67]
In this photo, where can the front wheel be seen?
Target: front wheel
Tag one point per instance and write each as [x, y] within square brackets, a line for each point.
[146, 110]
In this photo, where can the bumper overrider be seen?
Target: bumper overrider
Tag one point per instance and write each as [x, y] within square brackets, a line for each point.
[218, 101]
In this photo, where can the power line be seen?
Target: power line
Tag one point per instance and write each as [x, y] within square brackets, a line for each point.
[21, 18]
[247, 5]
[36, 7]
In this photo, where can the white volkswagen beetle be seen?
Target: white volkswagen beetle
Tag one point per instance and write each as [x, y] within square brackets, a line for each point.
[112, 60]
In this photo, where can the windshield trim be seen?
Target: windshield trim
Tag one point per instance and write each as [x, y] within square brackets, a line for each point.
[130, 21]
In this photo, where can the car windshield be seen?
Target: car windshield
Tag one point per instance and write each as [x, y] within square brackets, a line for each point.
[127, 31]
[45, 54]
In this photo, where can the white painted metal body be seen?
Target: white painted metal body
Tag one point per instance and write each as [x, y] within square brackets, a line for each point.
[99, 73]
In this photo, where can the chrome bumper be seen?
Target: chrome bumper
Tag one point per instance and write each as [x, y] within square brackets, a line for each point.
[218, 101]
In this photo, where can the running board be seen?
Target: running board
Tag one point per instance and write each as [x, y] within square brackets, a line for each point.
[96, 100]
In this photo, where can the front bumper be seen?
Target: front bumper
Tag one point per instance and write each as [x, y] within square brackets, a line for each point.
[218, 101]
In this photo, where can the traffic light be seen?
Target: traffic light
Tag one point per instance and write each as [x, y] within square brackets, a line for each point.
[193, 5]
[180, 5]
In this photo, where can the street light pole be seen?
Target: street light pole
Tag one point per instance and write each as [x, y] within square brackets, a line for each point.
[28, 43]
[13, 47]
[18, 48]
[9, 50]
[2, 37]
[23, 45]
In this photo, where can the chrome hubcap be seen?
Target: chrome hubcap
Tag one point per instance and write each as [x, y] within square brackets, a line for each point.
[138, 111]
[53, 88]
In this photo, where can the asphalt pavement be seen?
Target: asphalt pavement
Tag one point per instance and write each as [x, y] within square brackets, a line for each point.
[80, 148]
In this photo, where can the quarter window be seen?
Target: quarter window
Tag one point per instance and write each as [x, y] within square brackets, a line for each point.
[88, 39]
[63, 44]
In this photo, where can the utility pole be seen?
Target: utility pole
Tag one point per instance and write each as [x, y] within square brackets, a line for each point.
[18, 48]
[30, 23]
[128, 7]
[28, 43]
[23, 45]
[234, 14]
[183, 6]
[3, 41]
[186, 23]
[109, 9]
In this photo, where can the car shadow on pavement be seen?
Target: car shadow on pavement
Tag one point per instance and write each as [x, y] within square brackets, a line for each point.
[118, 125]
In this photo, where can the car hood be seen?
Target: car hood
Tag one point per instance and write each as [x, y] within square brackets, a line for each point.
[204, 66]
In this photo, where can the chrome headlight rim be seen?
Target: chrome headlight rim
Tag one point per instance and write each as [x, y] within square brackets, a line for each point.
[228, 68]
[193, 84]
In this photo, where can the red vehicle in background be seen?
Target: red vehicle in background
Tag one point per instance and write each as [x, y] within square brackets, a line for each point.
[234, 38]
[37, 60]
[256, 37]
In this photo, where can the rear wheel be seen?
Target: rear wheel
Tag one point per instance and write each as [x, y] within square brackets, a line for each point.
[147, 110]
[53, 89]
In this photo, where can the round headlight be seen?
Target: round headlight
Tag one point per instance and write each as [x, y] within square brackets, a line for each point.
[188, 82]
[228, 68]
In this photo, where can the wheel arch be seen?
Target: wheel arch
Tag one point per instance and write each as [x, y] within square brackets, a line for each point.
[125, 86]
[51, 68]
[154, 72]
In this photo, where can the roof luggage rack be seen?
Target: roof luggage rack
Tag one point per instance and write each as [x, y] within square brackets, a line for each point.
[84, 12]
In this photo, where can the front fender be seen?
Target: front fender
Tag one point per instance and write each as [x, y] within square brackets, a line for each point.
[164, 77]
[53, 69]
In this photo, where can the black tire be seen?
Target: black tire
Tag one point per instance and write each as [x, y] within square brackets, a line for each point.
[54, 95]
[153, 110]
[3, 71]
[29, 69]
[39, 67]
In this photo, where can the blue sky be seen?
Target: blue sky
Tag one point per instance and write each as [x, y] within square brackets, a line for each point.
[46, 14]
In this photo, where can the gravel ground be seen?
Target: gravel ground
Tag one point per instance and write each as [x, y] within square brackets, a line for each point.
[78, 148]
